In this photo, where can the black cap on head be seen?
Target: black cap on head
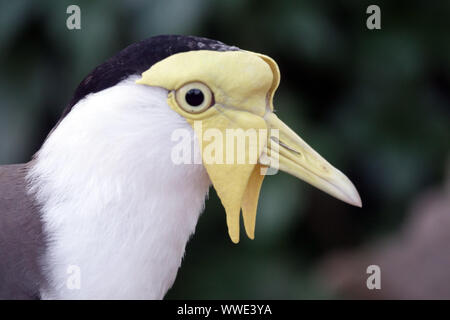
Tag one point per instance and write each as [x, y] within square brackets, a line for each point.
[137, 58]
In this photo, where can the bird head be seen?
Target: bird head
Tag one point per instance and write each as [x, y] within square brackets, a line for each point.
[227, 98]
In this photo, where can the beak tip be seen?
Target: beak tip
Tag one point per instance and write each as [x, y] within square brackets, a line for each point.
[355, 199]
[349, 193]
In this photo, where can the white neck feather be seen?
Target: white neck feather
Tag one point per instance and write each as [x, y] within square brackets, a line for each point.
[113, 203]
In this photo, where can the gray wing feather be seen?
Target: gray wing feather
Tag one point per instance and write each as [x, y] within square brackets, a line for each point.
[22, 242]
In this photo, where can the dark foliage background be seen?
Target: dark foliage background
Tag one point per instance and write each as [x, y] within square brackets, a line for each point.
[374, 103]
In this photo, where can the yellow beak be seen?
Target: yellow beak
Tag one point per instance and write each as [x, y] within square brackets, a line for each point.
[297, 158]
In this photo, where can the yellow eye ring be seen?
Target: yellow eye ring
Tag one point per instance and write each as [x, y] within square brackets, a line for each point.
[194, 97]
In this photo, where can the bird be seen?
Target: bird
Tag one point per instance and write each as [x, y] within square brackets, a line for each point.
[106, 193]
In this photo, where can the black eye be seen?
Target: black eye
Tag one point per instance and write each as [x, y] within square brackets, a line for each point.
[194, 97]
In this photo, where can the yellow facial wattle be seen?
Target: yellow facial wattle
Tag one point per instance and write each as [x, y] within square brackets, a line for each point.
[237, 89]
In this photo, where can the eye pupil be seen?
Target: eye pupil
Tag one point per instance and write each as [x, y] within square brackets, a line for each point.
[194, 97]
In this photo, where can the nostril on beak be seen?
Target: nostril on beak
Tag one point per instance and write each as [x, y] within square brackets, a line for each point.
[276, 140]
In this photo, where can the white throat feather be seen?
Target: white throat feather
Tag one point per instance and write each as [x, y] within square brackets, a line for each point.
[113, 203]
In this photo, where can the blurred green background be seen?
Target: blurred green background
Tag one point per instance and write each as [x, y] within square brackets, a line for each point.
[373, 103]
